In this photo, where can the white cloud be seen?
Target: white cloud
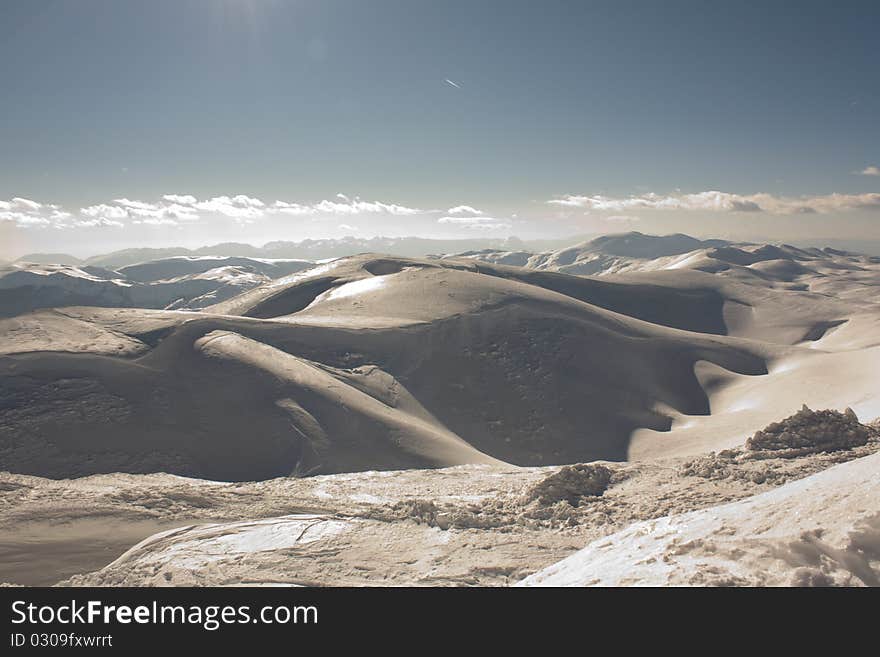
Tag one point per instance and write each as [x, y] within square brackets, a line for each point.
[27, 213]
[292, 208]
[465, 209]
[179, 212]
[95, 223]
[24, 219]
[345, 206]
[140, 212]
[135, 205]
[176, 209]
[156, 222]
[26, 204]
[183, 199]
[358, 206]
[180, 209]
[621, 219]
[714, 201]
[104, 211]
[476, 223]
[243, 209]
[870, 171]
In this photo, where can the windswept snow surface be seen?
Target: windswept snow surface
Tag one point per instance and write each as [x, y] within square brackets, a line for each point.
[466, 525]
[820, 530]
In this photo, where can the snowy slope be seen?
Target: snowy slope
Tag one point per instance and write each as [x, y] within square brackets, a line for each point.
[820, 530]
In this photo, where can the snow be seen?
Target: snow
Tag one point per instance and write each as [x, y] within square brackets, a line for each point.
[196, 546]
[824, 528]
[357, 287]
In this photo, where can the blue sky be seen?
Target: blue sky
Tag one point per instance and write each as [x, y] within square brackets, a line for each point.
[283, 120]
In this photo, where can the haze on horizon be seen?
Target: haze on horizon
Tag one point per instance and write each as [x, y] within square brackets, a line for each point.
[194, 122]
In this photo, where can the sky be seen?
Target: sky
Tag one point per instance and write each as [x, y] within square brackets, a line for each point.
[191, 122]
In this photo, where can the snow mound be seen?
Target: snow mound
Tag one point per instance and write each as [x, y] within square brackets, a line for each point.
[571, 484]
[810, 432]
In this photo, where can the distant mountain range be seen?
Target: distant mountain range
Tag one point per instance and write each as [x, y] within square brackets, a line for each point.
[628, 253]
[181, 282]
[305, 250]
[167, 279]
[399, 246]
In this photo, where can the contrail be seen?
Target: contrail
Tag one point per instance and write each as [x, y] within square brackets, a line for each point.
[448, 81]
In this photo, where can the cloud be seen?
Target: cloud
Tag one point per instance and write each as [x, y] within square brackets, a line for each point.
[26, 213]
[621, 219]
[181, 209]
[345, 206]
[177, 209]
[870, 171]
[26, 204]
[104, 211]
[714, 201]
[156, 222]
[296, 209]
[184, 199]
[243, 209]
[475, 222]
[24, 219]
[97, 222]
[140, 212]
[174, 209]
[465, 209]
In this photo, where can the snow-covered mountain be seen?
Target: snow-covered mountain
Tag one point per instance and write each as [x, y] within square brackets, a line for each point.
[629, 253]
[171, 283]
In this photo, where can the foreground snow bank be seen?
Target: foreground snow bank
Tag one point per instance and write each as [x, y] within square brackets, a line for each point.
[820, 530]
